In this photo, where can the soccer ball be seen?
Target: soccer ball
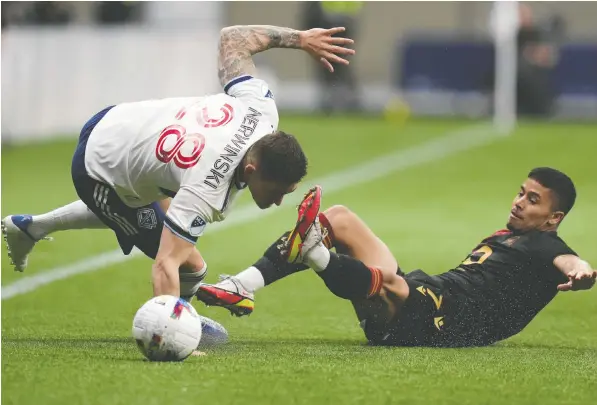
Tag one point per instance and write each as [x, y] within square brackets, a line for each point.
[167, 328]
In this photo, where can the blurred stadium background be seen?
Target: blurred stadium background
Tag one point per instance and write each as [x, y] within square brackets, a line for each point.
[64, 60]
[403, 137]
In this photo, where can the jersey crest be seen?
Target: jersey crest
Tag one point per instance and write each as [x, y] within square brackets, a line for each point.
[146, 218]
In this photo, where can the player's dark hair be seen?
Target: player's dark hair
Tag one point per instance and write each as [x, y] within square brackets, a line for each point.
[280, 158]
[559, 183]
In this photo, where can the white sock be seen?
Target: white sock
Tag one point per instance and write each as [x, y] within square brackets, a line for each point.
[190, 281]
[203, 269]
[318, 258]
[251, 279]
[75, 215]
[183, 269]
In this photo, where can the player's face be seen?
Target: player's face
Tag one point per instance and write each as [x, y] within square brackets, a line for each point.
[266, 193]
[533, 208]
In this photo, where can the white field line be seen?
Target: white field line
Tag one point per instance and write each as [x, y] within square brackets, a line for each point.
[451, 143]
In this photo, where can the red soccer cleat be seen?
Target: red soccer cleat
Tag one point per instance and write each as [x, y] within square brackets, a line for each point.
[307, 217]
[229, 293]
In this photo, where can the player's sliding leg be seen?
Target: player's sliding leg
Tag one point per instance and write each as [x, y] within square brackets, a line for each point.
[271, 267]
[369, 279]
[22, 232]
[363, 276]
[339, 228]
[352, 237]
[236, 293]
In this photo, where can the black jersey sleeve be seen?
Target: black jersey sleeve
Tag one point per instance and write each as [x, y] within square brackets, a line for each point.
[544, 248]
[548, 245]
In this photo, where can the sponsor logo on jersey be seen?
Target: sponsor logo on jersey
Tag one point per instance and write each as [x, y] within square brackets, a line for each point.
[197, 227]
[229, 159]
[510, 241]
[146, 218]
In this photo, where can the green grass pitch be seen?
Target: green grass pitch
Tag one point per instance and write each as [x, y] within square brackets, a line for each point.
[69, 342]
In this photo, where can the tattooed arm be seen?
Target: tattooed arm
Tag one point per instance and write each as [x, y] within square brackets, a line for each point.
[239, 43]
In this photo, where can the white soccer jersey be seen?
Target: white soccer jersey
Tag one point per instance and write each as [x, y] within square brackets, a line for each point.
[186, 148]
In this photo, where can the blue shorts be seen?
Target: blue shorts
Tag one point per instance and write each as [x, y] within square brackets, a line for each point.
[140, 227]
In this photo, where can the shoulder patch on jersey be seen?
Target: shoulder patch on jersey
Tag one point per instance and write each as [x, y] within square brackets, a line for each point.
[197, 226]
[266, 91]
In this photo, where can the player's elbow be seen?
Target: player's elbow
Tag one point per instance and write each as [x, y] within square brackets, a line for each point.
[224, 32]
[228, 32]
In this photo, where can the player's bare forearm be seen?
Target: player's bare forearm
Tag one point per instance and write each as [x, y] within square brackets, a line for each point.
[239, 43]
[568, 264]
[580, 273]
[173, 252]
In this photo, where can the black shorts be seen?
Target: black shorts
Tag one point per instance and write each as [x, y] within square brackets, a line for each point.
[140, 227]
[432, 316]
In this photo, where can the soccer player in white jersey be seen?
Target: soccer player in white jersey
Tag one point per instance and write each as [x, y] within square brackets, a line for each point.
[199, 151]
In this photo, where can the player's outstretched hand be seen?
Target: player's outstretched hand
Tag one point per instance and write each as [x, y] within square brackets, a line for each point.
[325, 47]
[579, 280]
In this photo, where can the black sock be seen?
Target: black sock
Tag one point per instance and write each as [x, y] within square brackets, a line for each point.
[350, 278]
[273, 267]
[273, 272]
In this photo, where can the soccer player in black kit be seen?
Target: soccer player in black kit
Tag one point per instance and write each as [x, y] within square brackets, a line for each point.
[499, 287]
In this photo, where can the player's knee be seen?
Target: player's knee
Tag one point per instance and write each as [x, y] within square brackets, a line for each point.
[340, 218]
[337, 213]
[190, 267]
[394, 288]
[194, 263]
